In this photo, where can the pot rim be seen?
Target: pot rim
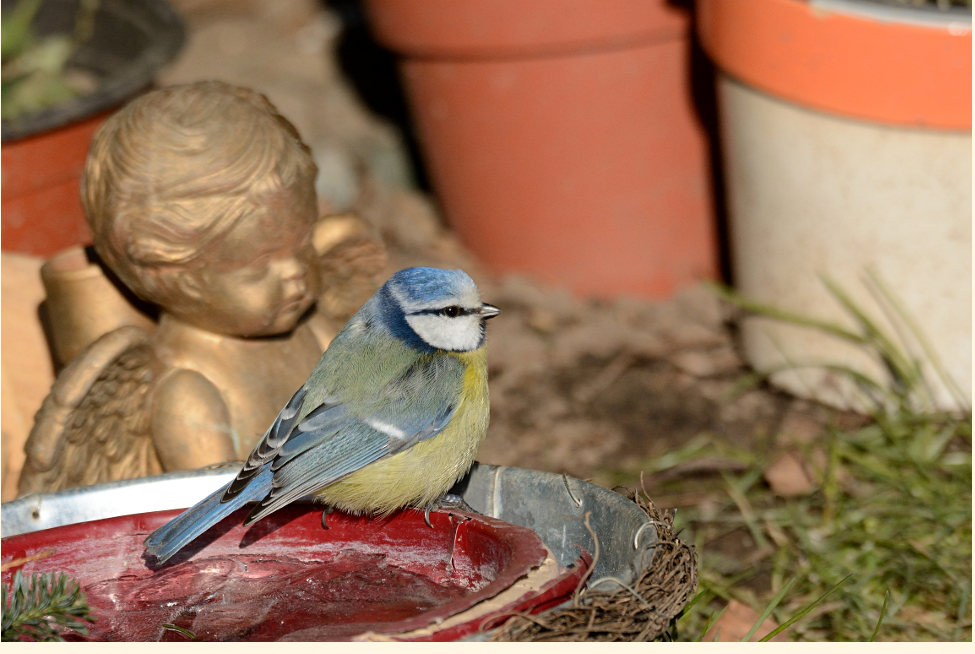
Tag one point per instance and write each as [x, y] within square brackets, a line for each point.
[904, 66]
[487, 29]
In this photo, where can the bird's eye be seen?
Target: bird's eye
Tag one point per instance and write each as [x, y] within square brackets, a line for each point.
[451, 311]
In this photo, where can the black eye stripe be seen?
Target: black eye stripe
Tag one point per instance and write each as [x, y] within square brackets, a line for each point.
[452, 311]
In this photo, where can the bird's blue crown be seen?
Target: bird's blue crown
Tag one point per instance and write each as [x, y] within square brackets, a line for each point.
[420, 286]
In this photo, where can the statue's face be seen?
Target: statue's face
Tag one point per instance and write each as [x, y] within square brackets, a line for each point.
[262, 276]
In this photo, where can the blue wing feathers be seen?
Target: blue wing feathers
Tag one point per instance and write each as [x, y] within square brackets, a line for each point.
[320, 466]
[317, 427]
[327, 444]
[355, 446]
[164, 542]
[277, 434]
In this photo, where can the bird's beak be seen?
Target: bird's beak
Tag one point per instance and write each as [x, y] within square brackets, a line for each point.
[489, 311]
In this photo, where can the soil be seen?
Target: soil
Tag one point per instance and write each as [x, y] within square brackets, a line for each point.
[598, 389]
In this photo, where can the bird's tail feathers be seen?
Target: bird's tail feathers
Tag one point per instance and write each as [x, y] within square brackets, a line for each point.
[176, 534]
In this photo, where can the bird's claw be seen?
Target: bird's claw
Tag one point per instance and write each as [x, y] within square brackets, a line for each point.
[447, 502]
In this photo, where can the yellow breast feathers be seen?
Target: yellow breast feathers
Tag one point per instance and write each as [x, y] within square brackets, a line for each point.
[419, 475]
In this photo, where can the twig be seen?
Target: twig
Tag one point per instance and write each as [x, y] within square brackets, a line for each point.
[15, 563]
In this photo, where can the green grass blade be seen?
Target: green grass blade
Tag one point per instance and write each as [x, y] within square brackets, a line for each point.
[880, 620]
[775, 313]
[803, 612]
[903, 370]
[931, 356]
[186, 632]
[713, 618]
[769, 608]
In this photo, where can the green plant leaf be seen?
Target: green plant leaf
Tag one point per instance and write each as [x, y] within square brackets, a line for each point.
[15, 31]
[42, 607]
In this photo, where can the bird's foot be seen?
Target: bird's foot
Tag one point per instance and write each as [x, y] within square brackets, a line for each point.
[327, 510]
[447, 502]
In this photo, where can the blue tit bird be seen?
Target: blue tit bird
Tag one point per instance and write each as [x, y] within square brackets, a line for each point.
[391, 416]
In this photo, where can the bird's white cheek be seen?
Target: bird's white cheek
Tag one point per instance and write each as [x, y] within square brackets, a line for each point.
[458, 334]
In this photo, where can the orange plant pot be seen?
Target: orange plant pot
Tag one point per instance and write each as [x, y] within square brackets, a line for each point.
[41, 204]
[561, 137]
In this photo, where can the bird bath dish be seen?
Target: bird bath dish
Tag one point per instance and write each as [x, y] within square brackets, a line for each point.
[287, 578]
[490, 568]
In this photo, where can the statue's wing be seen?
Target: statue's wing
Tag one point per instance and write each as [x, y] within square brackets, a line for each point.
[94, 423]
[351, 263]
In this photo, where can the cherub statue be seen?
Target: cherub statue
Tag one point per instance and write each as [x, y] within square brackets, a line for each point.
[201, 199]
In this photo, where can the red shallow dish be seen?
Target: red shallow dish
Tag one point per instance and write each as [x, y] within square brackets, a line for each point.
[287, 578]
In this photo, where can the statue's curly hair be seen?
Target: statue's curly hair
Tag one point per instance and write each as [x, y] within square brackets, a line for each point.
[176, 168]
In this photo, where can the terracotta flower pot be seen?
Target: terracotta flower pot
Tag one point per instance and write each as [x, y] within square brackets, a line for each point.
[44, 154]
[846, 133]
[42, 211]
[560, 136]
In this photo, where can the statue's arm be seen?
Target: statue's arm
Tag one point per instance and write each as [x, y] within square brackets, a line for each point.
[190, 422]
